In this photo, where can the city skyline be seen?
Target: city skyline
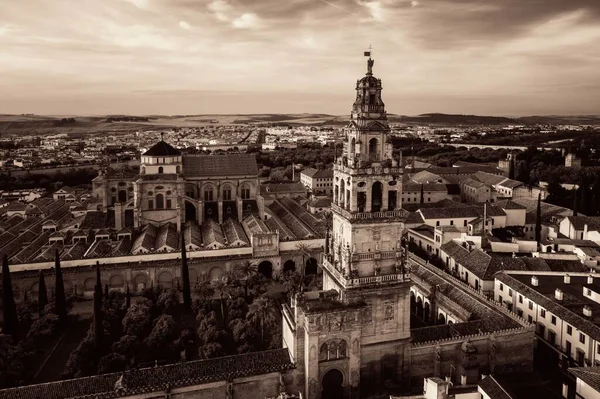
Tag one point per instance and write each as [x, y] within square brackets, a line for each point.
[225, 56]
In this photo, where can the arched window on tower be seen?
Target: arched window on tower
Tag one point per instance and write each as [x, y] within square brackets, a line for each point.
[160, 201]
[160, 169]
[353, 146]
[143, 170]
[178, 169]
[374, 149]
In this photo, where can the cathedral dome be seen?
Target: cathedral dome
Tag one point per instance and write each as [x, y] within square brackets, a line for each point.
[162, 149]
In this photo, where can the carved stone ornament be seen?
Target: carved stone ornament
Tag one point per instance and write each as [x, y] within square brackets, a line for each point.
[376, 234]
[367, 317]
[313, 353]
[355, 345]
[354, 378]
[336, 323]
[312, 388]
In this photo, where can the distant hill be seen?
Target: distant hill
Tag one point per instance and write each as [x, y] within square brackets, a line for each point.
[451, 119]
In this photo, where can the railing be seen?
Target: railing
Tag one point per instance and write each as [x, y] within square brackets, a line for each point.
[374, 255]
[374, 169]
[399, 213]
[348, 282]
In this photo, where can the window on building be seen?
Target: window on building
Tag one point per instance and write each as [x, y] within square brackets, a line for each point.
[553, 320]
[569, 329]
[568, 348]
[530, 305]
[160, 201]
[452, 223]
[500, 300]
[582, 338]
[465, 223]
[160, 169]
[543, 313]
[168, 204]
[227, 194]
[437, 222]
[529, 318]
[509, 292]
[501, 287]
[208, 194]
[520, 298]
[245, 193]
[150, 204]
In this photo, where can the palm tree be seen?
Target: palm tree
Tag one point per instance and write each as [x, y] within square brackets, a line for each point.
[262, 312]
[244, 271]
[222, 286]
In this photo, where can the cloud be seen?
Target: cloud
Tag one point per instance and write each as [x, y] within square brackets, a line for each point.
[246, 21]
[221, 9]
[143, 4]
[414, 3]
[225, 12]
[184, 25]
[376, 10]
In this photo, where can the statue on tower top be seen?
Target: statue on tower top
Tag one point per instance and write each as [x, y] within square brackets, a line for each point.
[370, 62]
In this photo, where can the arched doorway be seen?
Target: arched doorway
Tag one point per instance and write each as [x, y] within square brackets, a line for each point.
[311, 266]
[376, 196]
[165, 279]
[419, 310]
[215, 274]
[426, 310]
[332, 385]
[289, 266]
[441, 319]
[266, 268]
[190, 211]
[374, 149]
[140, 282]
[413, 303]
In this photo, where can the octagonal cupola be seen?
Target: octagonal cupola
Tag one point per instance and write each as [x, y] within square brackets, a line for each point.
[161, 158]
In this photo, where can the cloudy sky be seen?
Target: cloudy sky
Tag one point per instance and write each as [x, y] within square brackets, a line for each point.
[501, 57]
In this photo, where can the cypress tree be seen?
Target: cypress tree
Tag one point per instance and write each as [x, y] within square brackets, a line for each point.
[127, 298]
[511, 169]
[60, 300]
[106, 291]
[11, 321]
[98, 281]
[538, 221]
[98, 329]
[185, 276]
[42, 293]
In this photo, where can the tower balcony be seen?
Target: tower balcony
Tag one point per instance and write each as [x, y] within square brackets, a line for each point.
[373, 169]
[398, 214]
[347, 282]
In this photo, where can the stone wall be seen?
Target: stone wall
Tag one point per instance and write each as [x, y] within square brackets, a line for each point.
[499, 352]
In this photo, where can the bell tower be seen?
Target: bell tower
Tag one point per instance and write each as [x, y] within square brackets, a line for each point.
[357, 330]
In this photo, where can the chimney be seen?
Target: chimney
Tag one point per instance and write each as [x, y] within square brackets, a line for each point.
[587, 311]
[590, 279]
[585, 231]
[567, 279]
[534, 281]
[463, 380]
[558, 294]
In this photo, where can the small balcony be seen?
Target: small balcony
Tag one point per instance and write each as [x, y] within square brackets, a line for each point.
[356, 282]
[366, 216]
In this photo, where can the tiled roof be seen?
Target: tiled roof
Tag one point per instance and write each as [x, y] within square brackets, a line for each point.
[254, 225]
[488, 178]
[509, 204]
[282, 188]
[320, 202]
[145, 241]
[423, 230]
[589, 375]
[192, 235]
[94, 220]
[167, 237]
[427, 187]
[579, 222]
[220, 165]
[162, 149]
[306, 217]
[318, 173]
[235, 232]
[492, 389]
[414, 218]
[212, 233]
[472, 183]
[160, 378]
[291, 222]
[570, 309]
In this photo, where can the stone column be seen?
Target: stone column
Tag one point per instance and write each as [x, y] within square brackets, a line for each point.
[384, 195]
[200, 212]
[220, 210]
[240, 207]
[118, 216]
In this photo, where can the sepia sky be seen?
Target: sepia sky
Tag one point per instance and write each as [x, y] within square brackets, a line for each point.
[501, 57]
